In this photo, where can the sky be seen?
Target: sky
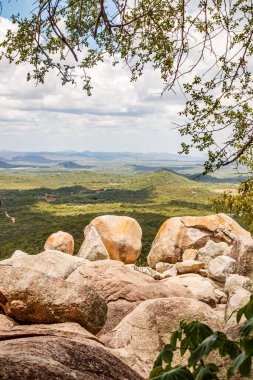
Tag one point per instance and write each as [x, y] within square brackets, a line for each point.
[119, 116]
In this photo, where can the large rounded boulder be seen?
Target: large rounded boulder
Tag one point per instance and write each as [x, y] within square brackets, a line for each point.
[120, 235]
[210, 236]
[141, 335]
[60, 241]
[33, 297]
[122, 287]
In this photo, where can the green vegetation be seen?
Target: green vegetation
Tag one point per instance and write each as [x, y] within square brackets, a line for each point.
[46, 201]
[199, 340]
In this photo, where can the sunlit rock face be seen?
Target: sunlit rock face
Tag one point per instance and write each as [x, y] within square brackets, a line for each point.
[209, 236]
[120, 235]
[60, 241]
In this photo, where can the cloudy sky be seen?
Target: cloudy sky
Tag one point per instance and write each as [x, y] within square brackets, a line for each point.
[120, 116]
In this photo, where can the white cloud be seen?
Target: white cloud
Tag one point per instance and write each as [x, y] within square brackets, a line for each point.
[120, 115]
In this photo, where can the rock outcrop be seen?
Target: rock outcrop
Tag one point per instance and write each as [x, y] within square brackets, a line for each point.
[123, 288]
[140, 336]
[60, 241]
[120, 235]
[31, 296]
[62, 352]
[202, 289]
[210, 236]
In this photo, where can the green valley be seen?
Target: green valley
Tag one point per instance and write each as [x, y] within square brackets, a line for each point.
[45, 201]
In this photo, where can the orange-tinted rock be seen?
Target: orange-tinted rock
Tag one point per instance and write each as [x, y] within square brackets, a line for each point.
[60, 241]
[120, 235]
[172, 240]
[211, 236]
[190, 254]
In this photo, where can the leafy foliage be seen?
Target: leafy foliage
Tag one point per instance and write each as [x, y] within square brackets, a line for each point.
[199, 340]
[181, 39]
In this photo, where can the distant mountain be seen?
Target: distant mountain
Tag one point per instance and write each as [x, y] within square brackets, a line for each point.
[33, 158]
[5, 165]
[73, 165]
[51, 157]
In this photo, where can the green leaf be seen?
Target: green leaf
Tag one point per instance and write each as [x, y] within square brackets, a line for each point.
[241, 363]
[248, 346]
[177, 373]
[166, 355]
[198, 332]
[247, 327]
[177, 335]
[155, 372]
[207, 372]
[245, 367]
[203, 349]
[227, 347]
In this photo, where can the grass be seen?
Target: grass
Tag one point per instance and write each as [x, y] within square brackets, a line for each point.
[80, 196]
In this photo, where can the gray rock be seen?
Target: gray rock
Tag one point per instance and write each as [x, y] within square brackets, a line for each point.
[235, 281]
[201, 288]
[61, 351]
[162, 267]
[220, 267]
[212, 250]
[93, 248]
[170, 272]
[220, 296]
[237, 300]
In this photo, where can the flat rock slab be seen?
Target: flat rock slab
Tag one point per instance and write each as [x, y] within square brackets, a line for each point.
[40, 352]
[189, 266]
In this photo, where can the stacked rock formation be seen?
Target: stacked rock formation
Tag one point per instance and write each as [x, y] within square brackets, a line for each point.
[99, 316]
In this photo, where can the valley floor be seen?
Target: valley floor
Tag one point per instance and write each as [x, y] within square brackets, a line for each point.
[44, 201]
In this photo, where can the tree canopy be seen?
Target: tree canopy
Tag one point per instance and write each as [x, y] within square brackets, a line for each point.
[201, 48]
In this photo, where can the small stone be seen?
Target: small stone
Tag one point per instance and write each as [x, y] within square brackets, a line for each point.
[60, 241]
[212, 250]
[170, 272]
[162, 267]
[239, 299]
[203, 272]
[190, 254]
[220, 296]
[235, 281]
[189, 266]
[220, 267]
[150, 272]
